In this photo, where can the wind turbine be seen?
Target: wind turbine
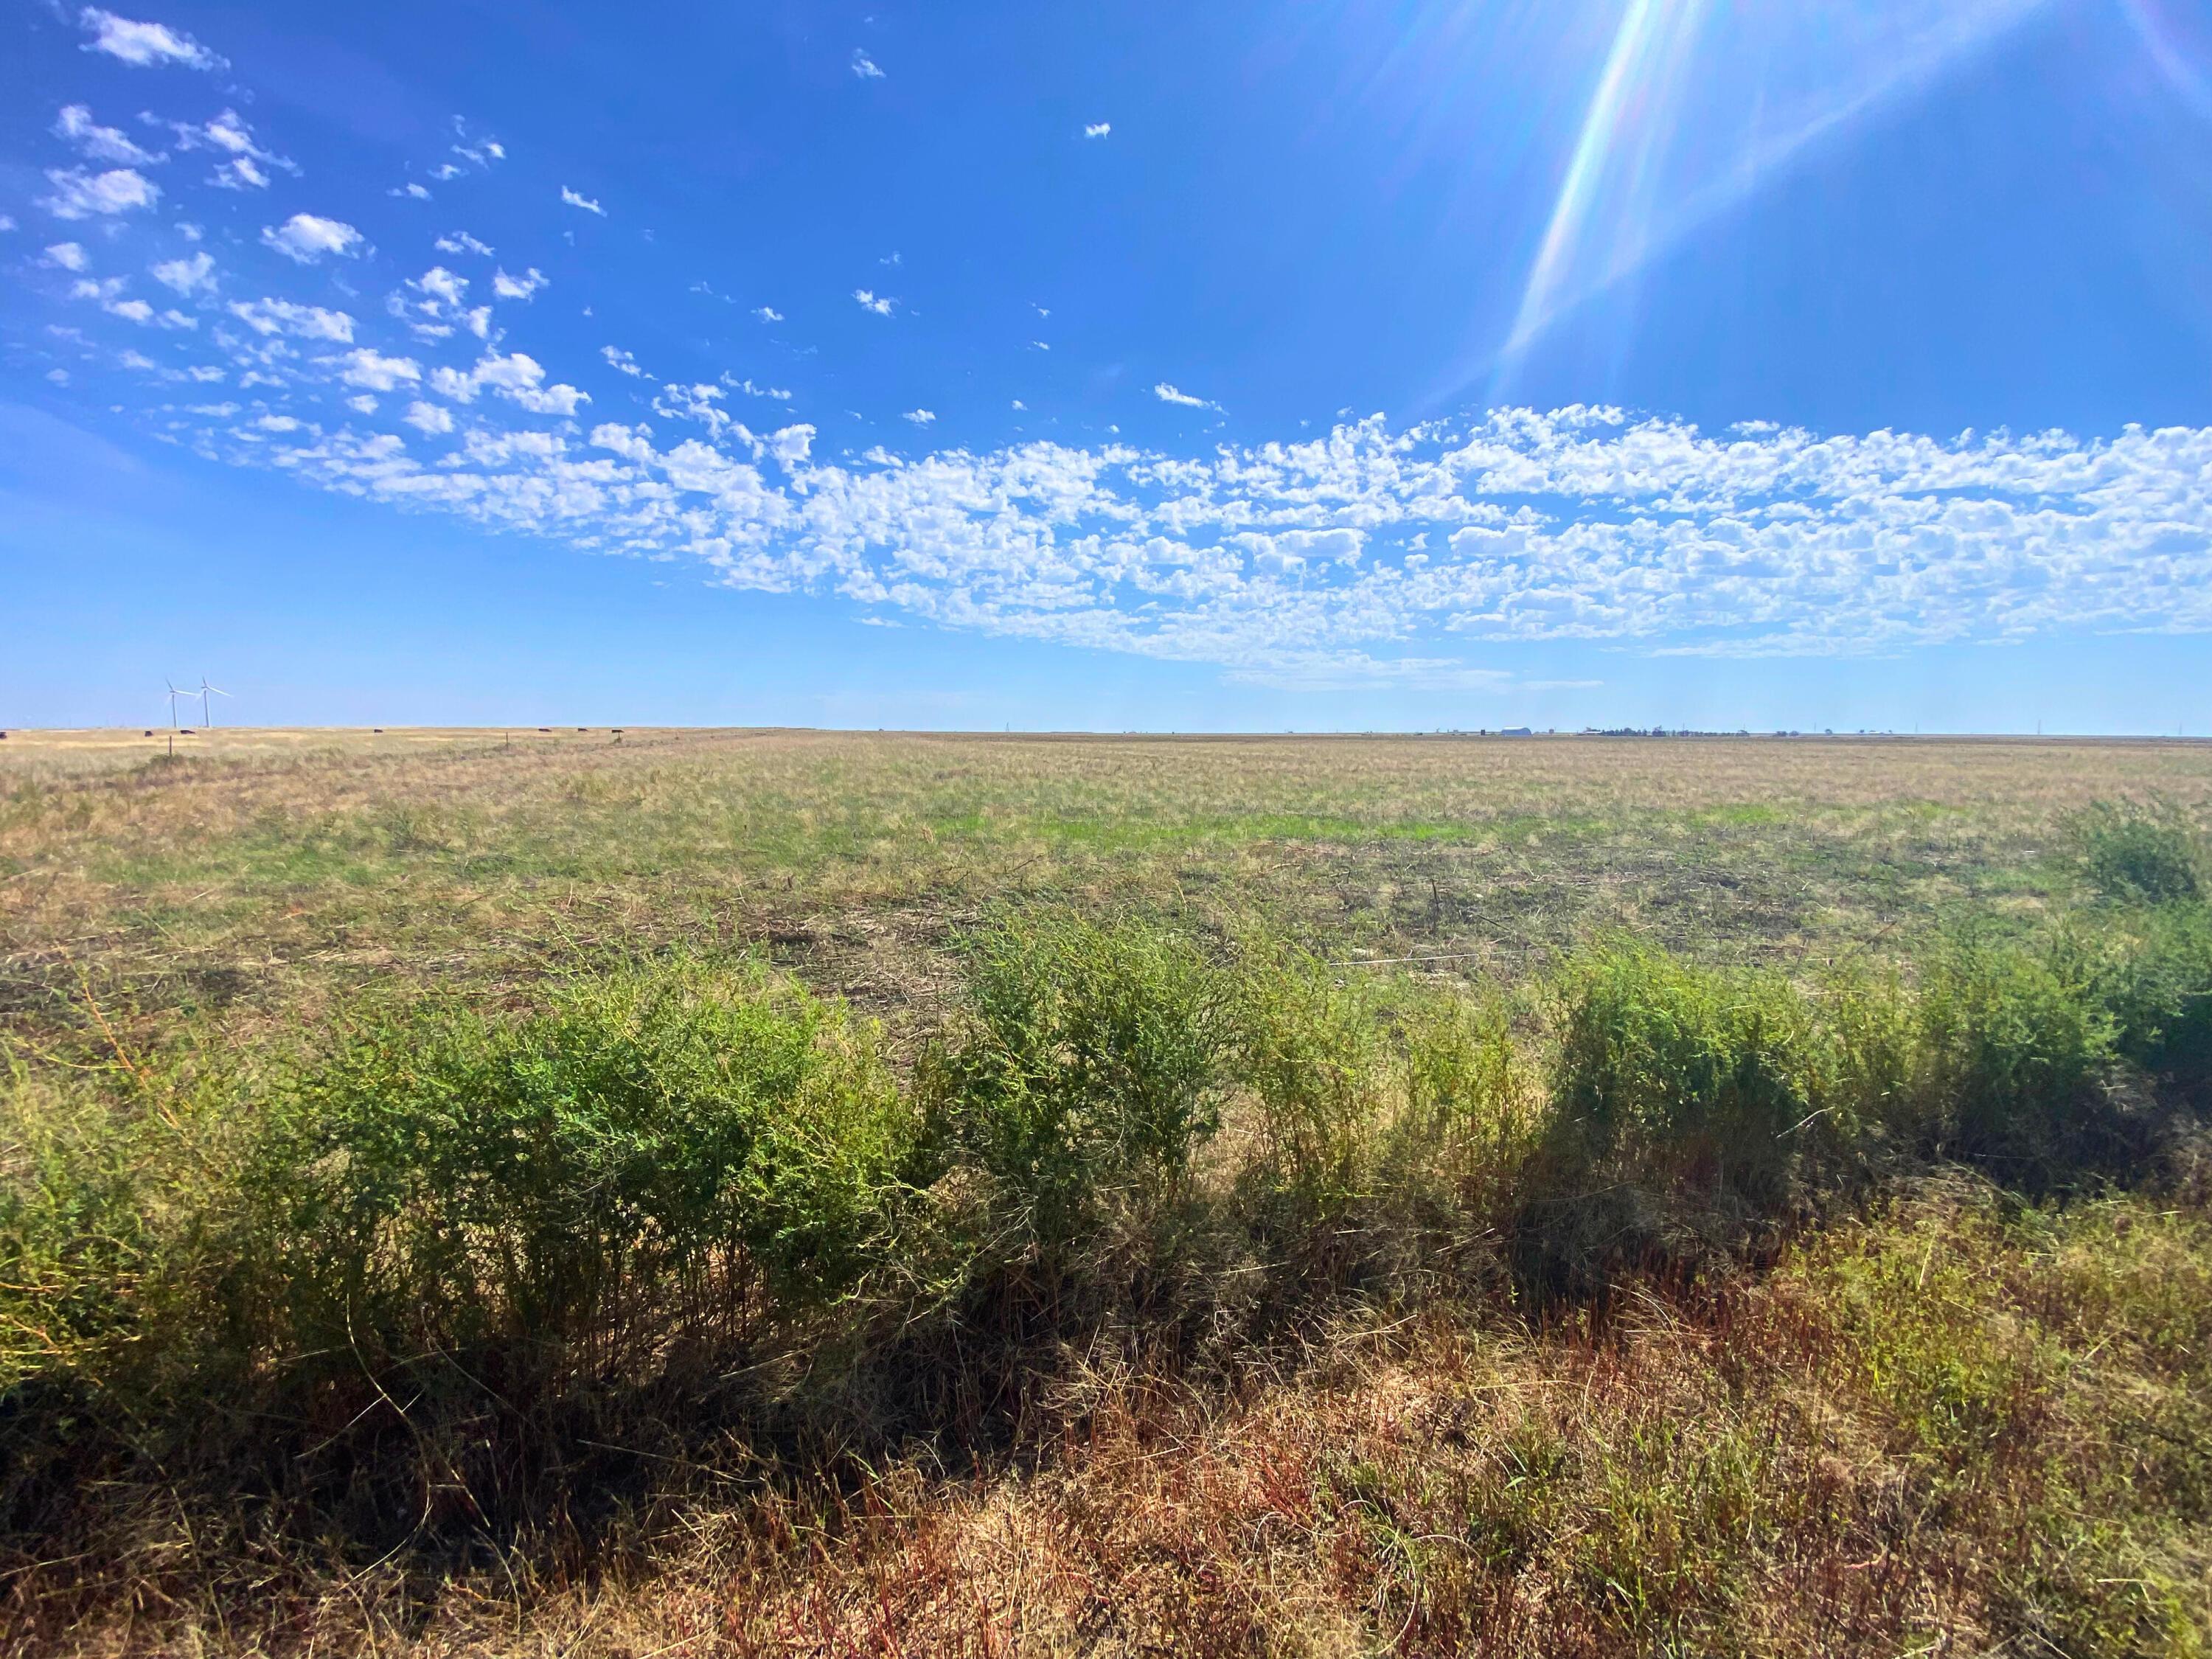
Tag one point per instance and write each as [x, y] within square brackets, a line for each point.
[207, 716]
[174, 695]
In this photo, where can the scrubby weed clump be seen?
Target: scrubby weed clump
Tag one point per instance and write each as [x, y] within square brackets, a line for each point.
[1678, 1097]
[388, 1285]
[2142, 854]
[2154, 976]
[678, 1153]
[415, 1270]
[1085, 1072]
[2015, 1054]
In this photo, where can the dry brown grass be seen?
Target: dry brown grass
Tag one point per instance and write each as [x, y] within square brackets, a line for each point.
[1945, 1430]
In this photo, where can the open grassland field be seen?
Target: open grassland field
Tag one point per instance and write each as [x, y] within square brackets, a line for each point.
[269, 870]
[757, 1192]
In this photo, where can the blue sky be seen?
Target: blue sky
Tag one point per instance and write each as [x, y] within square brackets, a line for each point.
[1842, 364]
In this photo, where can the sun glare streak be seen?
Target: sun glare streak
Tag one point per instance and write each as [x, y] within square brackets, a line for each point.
[1609, 218]
[1652, 37]
[2193, 83]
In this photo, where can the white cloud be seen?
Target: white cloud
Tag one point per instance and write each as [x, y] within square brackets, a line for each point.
[1097, 128]
[459, 241]
[7, 221]
[864, 67]
[920, 416]
[434, 307]
[98, 143]
[483, 151]
[516, 377]
[622, 360]
[247, 166]
[868, 301]
[1018, 404]
[428, 418]
[518, 288]
[143, 44]
[229, 131]
[67, 256]
[306, 238]
[239, 172]
[768, 313]
[418, 192]
[576, 201]
[192, 275]
[80, 195]
[364, 367]
[364, 404]
[1168, 394]
[275, 317]
[790, 445]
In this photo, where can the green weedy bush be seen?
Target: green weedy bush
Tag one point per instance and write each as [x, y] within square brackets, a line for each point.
[2013, 1055]
[2155, 981]
[2140, 854]
[1682, 1099]
[1314, 1052]
[1871, 1114]
[1083, 1073]
[78, 1237]
[671, 1152]
[1469, 1118]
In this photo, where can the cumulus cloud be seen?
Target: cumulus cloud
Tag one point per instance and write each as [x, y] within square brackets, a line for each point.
[67, 256]
[1097, 128]
[459, 241]
[518, 377]
[100, 144]
[433, 306]
[276, 317]
[239, 172]
[1296, 562]
[306, 237]
[768, 313]
[79, 194]
[144, 45]
[247, 164]
[1169, 394]
[621, 361]
[518, 288]
[194, 274]
[575, 200]
[428, 418]
[365, 367]
[864, 67]
[920, 416]
[868, 299]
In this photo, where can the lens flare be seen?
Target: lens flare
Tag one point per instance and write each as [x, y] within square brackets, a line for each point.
[2180, 59]
[1702, 102]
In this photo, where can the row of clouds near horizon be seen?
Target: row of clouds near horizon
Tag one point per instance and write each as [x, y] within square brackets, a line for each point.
[179, 269]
